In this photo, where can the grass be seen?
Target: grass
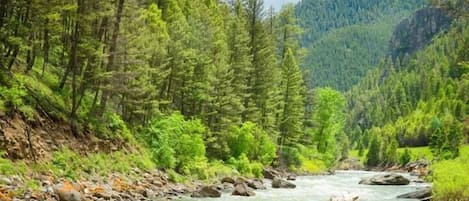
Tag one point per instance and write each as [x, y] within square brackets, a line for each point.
[415, 152]
[451, 178]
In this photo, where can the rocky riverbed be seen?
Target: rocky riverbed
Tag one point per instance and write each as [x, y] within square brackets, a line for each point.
[154, 185]
[148, 186]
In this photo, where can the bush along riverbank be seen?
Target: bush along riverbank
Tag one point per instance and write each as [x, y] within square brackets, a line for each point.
[166, 159]
[121, 176]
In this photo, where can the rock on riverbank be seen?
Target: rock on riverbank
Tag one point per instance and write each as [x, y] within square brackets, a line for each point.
[386, 179]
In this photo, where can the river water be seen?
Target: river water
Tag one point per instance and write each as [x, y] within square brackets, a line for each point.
[322, 188]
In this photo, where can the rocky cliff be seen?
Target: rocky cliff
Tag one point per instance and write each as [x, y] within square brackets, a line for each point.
[416, 32]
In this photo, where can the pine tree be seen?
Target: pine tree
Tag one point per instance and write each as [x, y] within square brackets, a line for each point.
[289, 32]
[291, 124]
[239, 54]
[373, 156]
[260, 107]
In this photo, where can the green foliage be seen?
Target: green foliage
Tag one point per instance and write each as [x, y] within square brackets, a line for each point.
[291, 122]
[347, 39]
[246, 167]
[328, 122]
[405, 157]
[451, 179]
[118, 127]
[7, 167]
[69, 164]
[176, 143]
[253, 142]
[419, 101]
[14, 97]
[446, 137]
[304, 159]
[373, 155]
[291, 156]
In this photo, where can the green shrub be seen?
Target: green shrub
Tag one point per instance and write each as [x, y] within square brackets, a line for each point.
[118, 127]
[66, 163]
[176, 143]
[405, 157]
[245, 167]
[175, 177]
[14, 98]
[312, 166]
[252, 141]
[13, 95]
[7, 167]
[292, 157]
[218, 169]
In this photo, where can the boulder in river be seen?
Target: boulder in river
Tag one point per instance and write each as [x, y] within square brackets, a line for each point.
[386, 179]
[345, 197]
[243, 190]
[256, 184]
[271, 173]
[207, 191]
[291, 177]
[241, 180]
[280, 183]
[227, 187]
[419, 194]
[228, 180]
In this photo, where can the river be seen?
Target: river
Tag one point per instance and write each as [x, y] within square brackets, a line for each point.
[321, 188]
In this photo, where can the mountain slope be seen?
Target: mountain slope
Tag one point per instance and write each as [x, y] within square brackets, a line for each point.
[401, 100]
[359, 30]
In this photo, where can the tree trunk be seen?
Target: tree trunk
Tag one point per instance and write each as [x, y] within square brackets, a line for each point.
[46, 46]
[112, 54]
[72, 65]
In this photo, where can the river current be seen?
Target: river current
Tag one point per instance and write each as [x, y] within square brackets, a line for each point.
[322, 188]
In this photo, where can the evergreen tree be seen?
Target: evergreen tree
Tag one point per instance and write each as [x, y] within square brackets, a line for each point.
[260, 106]
[373, 155]
[293, 106]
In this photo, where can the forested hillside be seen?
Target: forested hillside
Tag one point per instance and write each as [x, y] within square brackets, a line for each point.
[345, 39]
[191, 83]
[139, 97]
[419, 101]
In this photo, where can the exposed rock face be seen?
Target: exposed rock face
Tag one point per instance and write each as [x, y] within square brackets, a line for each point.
[48, 136]
[207, 191]
[419, 194]
[280, 183]
[387, 179]
[416, 32]
[243, 190]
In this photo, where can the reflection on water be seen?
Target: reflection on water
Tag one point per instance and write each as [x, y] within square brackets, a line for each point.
[321, 188]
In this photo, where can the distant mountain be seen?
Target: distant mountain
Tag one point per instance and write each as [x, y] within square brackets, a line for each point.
[345, 39]
[399, 100]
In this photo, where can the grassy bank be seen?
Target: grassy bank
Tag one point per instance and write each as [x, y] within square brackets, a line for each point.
[450, 177]
[415, 152]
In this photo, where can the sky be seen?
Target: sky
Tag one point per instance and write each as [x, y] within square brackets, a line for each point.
[277, 3]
